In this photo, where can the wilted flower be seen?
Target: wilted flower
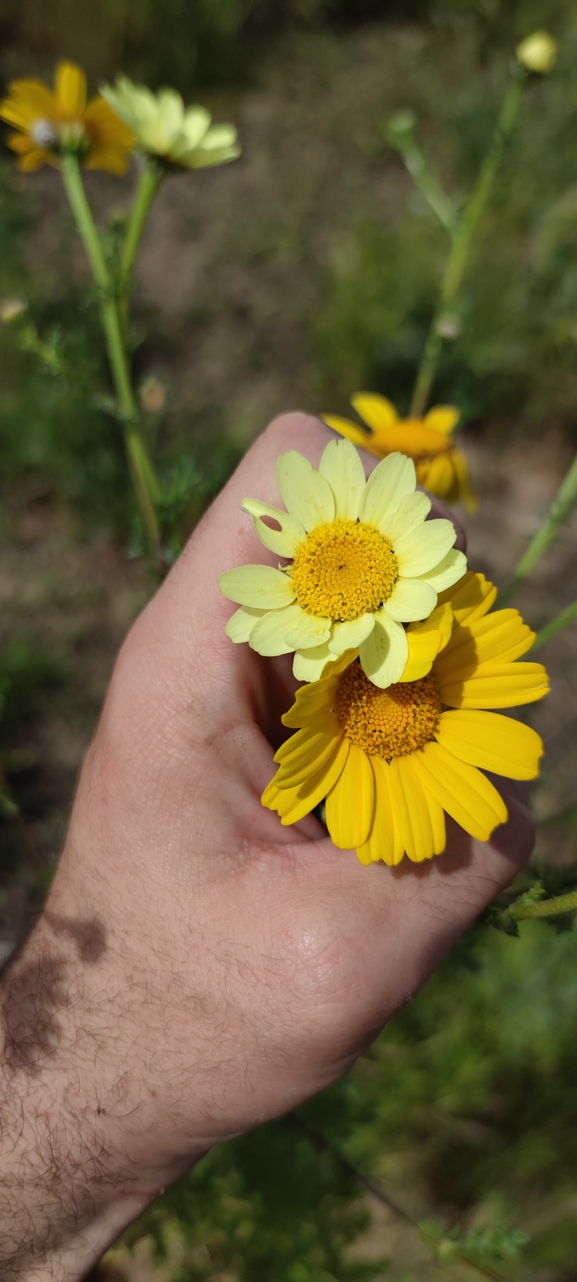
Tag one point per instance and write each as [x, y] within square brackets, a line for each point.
[538, 52]
[163, 128]
[441, 468]
[391, 762]
[51, 122]
[363, 561]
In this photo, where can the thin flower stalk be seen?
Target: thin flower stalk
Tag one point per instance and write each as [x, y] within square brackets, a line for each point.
[561, 508]
[462, 238]
[151, 175]
[144, 481]
[556, 625]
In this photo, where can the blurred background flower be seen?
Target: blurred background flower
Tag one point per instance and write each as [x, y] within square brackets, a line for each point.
[49, 122]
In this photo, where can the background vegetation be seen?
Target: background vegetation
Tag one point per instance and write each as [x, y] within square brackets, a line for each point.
[297, 275]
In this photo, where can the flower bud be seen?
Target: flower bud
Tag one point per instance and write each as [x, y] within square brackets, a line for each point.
[538, 52]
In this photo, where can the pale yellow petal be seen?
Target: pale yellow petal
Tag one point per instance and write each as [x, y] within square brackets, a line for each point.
[447, 572]
[306, 495]
[443, 418]
[283, 542]
[308, 632]
[342, 468]
[351, 634]
[412, 511]
[308, 665]
[268, 634]
[485, 739]
[384, 841]
[376, 410]
[350, 802]
[461, 790]
[260, 586]
[411, 599]
[422, 549]
[384, 654]
[241, 623]
[390, 482]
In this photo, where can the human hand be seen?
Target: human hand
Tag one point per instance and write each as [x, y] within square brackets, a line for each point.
[198, 968]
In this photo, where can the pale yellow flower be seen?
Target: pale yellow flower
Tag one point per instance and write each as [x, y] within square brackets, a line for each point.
[538, 52]
[163, 128]
[363, 561]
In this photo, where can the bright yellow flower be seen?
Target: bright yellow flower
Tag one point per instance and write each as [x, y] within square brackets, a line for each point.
[163, 128]
[391, 762]
[363, 561]
[50, 122]
[441, 468]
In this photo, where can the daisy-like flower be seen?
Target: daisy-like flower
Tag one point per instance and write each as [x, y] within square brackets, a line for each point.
[363, 562]
[391, 762]
[441, 468]
[163, 128]
[50, 122]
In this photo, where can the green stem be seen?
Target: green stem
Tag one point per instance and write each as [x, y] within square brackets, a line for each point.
[561, 508]
[461, 241]
[546, 908]
[144, 481]
[560, 621]
[150, 179]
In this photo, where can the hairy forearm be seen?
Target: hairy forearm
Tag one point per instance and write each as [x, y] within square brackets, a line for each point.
[67, 1189]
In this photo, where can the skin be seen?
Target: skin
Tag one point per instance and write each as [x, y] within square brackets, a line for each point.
[198, 968]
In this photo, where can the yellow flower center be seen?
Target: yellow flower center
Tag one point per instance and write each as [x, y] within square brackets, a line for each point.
[343, 569]
[387, 723]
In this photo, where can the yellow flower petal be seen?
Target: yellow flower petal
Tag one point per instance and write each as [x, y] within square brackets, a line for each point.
[308, 751]
[384, 654]
[502, 636]
[350, 802]
[425, 640]
[284, 541]
[448, 571]
[308, 631]
[495, 685]
[269, 632]
[421, 824]
[241, 623]
[443, 418]
[306, 495]
[351, 431]
[28, 101]
[485, 739]
[351, 634]
[412, 511]
[461, 790]
[342, 468]
[292, 804]
[260, 586]
[471, 597]
[376, 410]
[70, 86]
[113, 159]
[411, 599]
[310, 701]
[424, 548]
[384, 841]
[308, 665]
[388, 484]
[437, 474]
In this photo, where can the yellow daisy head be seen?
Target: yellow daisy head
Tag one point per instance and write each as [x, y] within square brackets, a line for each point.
[441, 468]
[180, 138]
[391, 762]
[362, 563]
[50, 122]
